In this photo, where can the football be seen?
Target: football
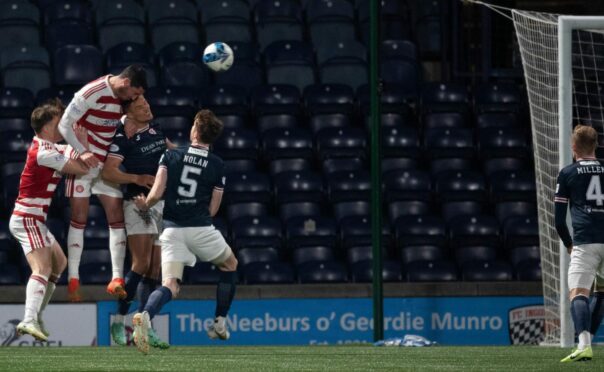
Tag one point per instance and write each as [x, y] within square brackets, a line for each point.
[218, 56]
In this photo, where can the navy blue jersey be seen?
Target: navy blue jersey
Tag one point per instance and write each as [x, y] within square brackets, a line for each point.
[580, 186]
[193, 175]
[140, 154]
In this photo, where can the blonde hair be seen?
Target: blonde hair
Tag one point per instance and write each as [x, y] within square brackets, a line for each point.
[585, 139]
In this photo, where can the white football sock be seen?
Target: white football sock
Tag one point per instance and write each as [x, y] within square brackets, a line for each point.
[75, 245]
[584, 340]
[34, 295]
[50, 289]
[117, 248]
[118, 318]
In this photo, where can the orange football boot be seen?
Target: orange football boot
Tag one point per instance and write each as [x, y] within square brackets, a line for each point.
[117, 288]
[73, 290]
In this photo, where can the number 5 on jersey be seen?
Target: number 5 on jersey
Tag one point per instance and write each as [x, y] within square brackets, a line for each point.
[188, 185]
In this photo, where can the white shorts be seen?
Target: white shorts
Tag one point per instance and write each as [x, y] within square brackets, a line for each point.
[30, 232]
[586, 261]
[135, 225]
[184, 244]
[90, 183]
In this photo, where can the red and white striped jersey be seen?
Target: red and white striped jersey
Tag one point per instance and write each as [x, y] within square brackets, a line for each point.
[96, 108]
[39, 178]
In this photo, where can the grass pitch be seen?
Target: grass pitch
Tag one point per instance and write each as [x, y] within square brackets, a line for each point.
[307, 358]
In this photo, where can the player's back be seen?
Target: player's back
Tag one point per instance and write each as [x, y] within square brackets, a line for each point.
[193, 175]
[580, 184]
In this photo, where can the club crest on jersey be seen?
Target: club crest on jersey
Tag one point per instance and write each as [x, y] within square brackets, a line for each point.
[152, 131]
[114, 148]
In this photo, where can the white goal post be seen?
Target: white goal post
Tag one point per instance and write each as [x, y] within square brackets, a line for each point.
[563, 60]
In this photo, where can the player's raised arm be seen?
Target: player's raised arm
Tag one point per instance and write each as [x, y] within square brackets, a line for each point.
[77, 107]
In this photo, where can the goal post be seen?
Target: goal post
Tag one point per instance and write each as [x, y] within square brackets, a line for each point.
[563, 60]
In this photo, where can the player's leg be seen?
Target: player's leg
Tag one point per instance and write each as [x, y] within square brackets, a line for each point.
[225, 292]
[152, 278]
[75, 242]
[117, 242]
[597, 304]
[581, 274]
[59, 263]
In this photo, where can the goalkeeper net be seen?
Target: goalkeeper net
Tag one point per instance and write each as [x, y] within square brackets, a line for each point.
[546, 81]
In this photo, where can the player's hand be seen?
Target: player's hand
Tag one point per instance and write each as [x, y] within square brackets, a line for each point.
[81, 134]
[89, 158]
[145, 180]
[141, 202]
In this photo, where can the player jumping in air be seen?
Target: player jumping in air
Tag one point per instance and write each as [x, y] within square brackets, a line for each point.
[97, 107]
[193, 180]
[580, 186]
[137, 147]
[43, 170]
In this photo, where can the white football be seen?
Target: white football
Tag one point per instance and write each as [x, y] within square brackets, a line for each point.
[218, 56]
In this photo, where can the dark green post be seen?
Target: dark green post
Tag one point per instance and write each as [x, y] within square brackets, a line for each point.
[376, 173]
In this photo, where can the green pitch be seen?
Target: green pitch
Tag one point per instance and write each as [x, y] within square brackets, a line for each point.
[308, 358]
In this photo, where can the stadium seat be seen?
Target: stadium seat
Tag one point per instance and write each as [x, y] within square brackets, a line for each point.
[276, 29]
[408, 208]
[501, 142]
[398, 163]
[431, 271]
[362, 272]
[99, 256]
[62, 33]
[348, 209]
[302, 255]
[324, 31]
[452, 210]
[279, 143]
[268, 273]
[127, 53]
[310, 231]
[211, 10]
[14, 146]
[513, 186]
[172, 21]
[480, 230]
[322, 121]
[225, 100]
[521, 231]
[240, 166]
[341, 142]
[247, 256]
[298, 73]
[77, 64]
[10, 274]
[334, 49]
[348, 185]
[359, 253]
[406, 184]
[179, 52]
[203, 273]
[420, 230]
[400, 71]
[333, 9]
[505, 210]
[399, 49]
[247, 187]
[245, 51]
[428, 31]
[394, 19]
[467, 254]
[253, 232]
[520, 254]
[412, 254]
[296, 186]
[491, 166]
[529, 270]
[26, 67]
[19, 24]
[444, 97]
[246, 74]
[329, 99]
[288, 211]
[497, 120]
[16, 102]
[449, 143]
[461, 186]
[395, 98]
[443, 120]
[355, 230]
[487, 271]
[234, 211]
[94, 273]
[322, 272]
[275, 99]
[185, 74]
[227, 29]
[14, 124]
[498, 97]
[171, 101]
[401, 142]
[352, 73]
[439, 166]
[237, 144]
[285, 165]
[68, 10]
[342, 164]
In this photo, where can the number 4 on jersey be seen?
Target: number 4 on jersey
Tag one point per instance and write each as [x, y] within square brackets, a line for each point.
[594, 191]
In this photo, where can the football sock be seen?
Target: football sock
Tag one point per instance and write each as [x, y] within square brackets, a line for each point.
[117, 248]
[50, 289]
[579, 309]
[597, 311]
[34, 295]
[75, 244]
[132, 280]
[157, 300]
[225, 291]
[144, 289]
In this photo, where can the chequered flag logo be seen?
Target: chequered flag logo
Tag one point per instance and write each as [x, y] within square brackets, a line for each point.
[527, 325]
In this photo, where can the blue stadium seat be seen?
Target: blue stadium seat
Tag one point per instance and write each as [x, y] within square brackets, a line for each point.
[172, 21]
[413, 254]
[356, 231]
[491, 166]
[57, 227]
[329, 9]
[185, 74]
[247, 256]
[14, 124]
[406, 208]
[14, 146]
[16, 102]
[348, 186]
[275, 99]
[171, 101]
[247, 187]
[211, 10]
[394, 19]
[65, 94]
[467, 254]
[269, 273]
[288, 211]
[93, 273]
[497, 97]
[342, 164]
[445, 97]
[341, 142]
[19, 23]
[276, 10]
[310, 231]
[182, 123]
[302, 255]
[391, 164]
[461, 186]
[438, 166]
[238, 210]
[26, 67]
[505, 210]
[487, 271]
[432, 271]
[202, 273]
[401, 142]
[298, 186]
[118, 22]
[246, 74]
[280, 143]
[225, 100]
[227, 29]
[420, 230]
[10, 274]
[497, 120]
[454, 209]
[273, 30]
[334, 49]
[68, 10]
[401, 71]
[513, 186]
[428, 31]
[237, 144]
[443, 120]
[256, 232]
[77, 64]
[179, 52]
[502, 142]
[349, 209]
[521, 231]
[245, 51]
[127, 53]
[285, 165]
[399, 49]
[329, 99]
[362, 272]
[479, 230]
[529, 270]
[406, 185]
[449, 143]
[349, 72]
[359, 253]
[322, 272]
[323, 121]
[395, 98]
[64, 33]
[520, 254]
[240, 166]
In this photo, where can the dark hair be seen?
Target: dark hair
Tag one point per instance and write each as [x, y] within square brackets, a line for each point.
[42, 115]
[126, 105]
[208, 125]
[137, 76]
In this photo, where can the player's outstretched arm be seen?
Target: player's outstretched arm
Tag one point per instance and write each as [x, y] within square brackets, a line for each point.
[113, 173]
[75, 166]
[161, 178]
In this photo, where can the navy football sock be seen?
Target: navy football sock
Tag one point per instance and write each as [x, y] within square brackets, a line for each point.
[144, 289]
[132, 279]
[597, 311]
[579, 309]
[225, 291]
[157, 300]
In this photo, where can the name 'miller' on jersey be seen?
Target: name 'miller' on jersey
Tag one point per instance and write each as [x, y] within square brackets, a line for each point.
[99, 111]
[193, 175]
[580, 186]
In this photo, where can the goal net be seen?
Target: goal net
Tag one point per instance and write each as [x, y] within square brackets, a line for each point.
[563, 60]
